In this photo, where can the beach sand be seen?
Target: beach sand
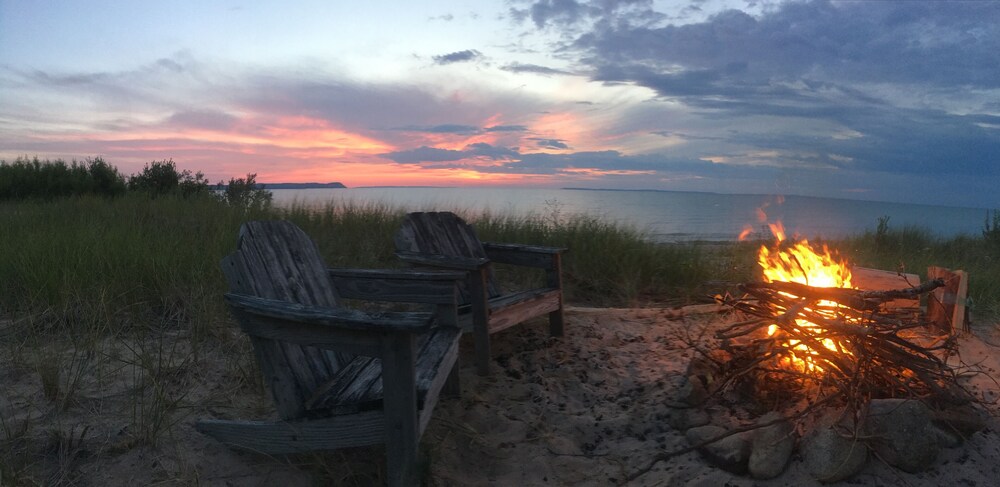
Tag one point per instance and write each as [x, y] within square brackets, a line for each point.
[589, 408]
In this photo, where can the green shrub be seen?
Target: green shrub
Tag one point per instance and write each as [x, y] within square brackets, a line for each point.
[37, 179]
[991, 230]
[247, 194]
[161, 177]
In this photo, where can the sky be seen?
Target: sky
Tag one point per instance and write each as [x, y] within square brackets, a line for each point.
[875, 100]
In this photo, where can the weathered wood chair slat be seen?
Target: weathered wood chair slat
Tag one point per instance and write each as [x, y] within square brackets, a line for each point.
[338, 377]
[443, 240]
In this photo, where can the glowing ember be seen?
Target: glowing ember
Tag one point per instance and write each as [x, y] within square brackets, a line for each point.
[803, 264]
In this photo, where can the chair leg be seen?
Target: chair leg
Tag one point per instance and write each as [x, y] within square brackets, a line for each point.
[481, 337]
[402, 433]
[452, 385]
[480, 320]
[556, 320]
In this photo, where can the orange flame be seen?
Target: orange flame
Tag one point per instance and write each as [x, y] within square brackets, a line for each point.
[803, 264]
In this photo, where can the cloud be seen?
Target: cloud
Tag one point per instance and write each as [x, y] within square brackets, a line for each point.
[507, 128]
[461, 129]
[458, 57]
[207, 119]
[534, 69]
[445, 129]
[424, 154]
[786, 82]
[846, 41]
[551, 143]
[570, 13]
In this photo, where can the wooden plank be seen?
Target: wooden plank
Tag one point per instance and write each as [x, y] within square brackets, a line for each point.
[286, 437]
[443, 261]
[528, 306]
[289, 264]
[359, 342]
[285, 387]
[350, 388]
[553, 279]
[867, 279]
[522, 255]
[360, 383]
[390, 288]
[480, 321]
[334, 318]
[400, 406]
[961, 295]
[946, 305]
[436, 367]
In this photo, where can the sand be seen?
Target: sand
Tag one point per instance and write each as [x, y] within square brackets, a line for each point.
[589, 408]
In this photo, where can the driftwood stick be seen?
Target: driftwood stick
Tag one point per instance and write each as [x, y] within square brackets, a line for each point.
[852, 298]
[907, 293]
[843, 296]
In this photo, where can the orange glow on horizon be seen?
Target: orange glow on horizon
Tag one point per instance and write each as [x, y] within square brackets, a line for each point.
[313, 135]
[308, 149]
[592, 173]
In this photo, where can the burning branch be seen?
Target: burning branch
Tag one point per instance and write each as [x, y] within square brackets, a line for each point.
[838, 339]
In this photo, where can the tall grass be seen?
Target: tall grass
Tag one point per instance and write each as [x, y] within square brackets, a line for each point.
[117, 261]
[606, 263]
[94, 262]
[90, 261]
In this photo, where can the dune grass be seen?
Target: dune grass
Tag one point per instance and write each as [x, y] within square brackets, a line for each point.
[114, 305]
[95, 262]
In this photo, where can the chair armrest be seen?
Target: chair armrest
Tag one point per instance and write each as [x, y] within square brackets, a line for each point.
[523, 255]
[332, 317]
[397, 285]
[396, 274]
[445, 261]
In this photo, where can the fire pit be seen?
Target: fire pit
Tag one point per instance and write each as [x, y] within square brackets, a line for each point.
[819, 364]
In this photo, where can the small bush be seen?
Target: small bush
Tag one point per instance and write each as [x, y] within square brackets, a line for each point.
[247, 194]
[161, 178]
[991, 231]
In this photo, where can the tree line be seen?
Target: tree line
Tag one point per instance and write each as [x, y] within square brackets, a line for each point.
[25, 179]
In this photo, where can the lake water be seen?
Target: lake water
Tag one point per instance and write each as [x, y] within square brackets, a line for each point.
[667, 216]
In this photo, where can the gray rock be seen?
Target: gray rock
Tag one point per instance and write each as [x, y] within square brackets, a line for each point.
[899, 432]
[701, 378]
[771, 446]
[963, 420]
[692, 391]
[830, 455]
[730, 453]
[946, 438]
[687, 418]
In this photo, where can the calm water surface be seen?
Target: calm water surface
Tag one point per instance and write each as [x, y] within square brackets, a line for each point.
[665, 215]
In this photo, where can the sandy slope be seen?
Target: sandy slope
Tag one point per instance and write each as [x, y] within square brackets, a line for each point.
[586, 409]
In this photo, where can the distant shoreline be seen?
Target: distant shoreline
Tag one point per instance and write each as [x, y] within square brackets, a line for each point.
[338, 185]
[296, 185]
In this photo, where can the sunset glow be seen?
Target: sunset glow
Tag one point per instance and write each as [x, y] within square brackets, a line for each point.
[686, 96]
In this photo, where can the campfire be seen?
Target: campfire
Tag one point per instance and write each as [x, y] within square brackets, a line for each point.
[832, 361]
[809, 329]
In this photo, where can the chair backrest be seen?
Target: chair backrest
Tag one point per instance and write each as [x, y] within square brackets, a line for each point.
[443, 233]
[277, 260]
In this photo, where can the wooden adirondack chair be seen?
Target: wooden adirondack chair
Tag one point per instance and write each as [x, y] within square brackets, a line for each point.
[339, 377]
[443, 240]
